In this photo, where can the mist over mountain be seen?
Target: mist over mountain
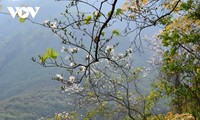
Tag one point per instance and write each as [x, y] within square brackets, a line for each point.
[27, 91]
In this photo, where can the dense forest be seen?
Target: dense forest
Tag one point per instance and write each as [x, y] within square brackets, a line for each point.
[111, 59]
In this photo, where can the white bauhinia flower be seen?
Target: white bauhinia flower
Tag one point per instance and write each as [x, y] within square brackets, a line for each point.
[70, 49]
[82, 68]
[58, 76]
[96, 13]
[121, 56]
[53, 25]
[88, 57]
[109, 49]
[71, 79]
[75, 88]
[63, 49]
[129, 50]
[46, 21]
[73, 50]
[72, 65]
[59, 114]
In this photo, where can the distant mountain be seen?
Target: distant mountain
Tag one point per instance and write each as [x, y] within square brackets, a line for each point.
[33, 105]
[27, 91]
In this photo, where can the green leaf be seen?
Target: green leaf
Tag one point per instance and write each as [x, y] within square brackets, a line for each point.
[42, 59]
[50, 53]
[198, 70]
[109, 14]
[56, 117]
[185, 6]
[115, 32]
[22, 20]
[119, 11]
[87, 20]
[103, 33]
[91, 94]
